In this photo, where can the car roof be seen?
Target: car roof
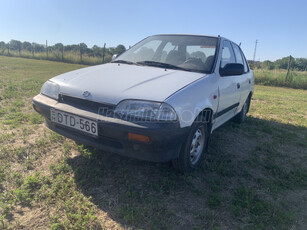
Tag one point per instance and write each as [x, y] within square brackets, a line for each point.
[201, 35]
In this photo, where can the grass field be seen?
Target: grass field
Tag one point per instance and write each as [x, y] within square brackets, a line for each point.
[296, 79]
[254, 176]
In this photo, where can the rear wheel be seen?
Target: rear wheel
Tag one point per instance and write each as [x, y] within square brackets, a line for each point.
[194, 148]
[241, 117]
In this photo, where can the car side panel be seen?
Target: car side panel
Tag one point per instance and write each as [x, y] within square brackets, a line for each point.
[229, 99]
[194, 98]
[246, 87]
[229, 95]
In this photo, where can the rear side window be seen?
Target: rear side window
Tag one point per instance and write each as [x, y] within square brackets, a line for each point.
[227, 54]
[239, 57]
[246, 68]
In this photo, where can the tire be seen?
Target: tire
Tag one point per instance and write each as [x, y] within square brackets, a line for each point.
[241, 117]
[194, 148]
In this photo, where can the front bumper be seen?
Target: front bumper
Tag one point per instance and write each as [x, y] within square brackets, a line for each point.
[166, 138]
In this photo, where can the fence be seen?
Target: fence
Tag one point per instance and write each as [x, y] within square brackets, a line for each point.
[78, 55]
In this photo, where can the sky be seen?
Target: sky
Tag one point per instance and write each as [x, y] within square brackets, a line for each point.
[280, 26]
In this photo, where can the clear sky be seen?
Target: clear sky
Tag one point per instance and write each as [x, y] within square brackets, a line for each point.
[279, 25]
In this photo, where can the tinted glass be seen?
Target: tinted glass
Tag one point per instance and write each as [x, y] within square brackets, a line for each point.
[192, 53]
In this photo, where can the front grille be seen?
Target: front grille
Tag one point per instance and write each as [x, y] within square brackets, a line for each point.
[92, 106]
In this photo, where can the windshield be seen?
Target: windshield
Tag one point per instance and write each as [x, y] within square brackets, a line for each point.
[184, 52]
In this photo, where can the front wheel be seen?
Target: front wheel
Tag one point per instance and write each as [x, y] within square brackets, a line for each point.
[194, 148]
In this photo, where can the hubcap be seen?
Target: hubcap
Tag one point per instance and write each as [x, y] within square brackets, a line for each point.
[197, 145]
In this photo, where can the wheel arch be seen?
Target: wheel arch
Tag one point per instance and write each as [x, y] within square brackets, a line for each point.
[249, 98]
[206, 115]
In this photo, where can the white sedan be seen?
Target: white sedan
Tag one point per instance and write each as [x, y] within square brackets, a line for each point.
[158, 101]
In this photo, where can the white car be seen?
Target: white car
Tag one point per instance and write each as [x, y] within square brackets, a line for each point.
[158, 101]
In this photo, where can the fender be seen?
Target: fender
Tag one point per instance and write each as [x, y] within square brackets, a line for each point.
[194, 98]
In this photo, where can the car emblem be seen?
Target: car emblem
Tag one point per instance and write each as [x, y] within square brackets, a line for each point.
[86, 94]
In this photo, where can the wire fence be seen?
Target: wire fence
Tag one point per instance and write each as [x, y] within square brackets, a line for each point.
[79, 54]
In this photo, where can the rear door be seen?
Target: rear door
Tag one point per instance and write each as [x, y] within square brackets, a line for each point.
[229, 88]
[244, 79]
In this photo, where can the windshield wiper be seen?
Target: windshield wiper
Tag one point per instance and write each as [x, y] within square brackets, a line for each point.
[161, 64]
[125, 62]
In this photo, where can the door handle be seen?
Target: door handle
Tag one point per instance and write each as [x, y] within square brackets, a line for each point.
[238, 85]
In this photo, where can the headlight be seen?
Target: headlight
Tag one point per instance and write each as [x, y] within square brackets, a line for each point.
[146, 110]
[51, 89]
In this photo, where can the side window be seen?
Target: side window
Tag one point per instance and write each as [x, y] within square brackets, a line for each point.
[227, 54]
[239, 57]
[246, 69]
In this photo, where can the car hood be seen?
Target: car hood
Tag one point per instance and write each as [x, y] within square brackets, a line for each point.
[112, 83]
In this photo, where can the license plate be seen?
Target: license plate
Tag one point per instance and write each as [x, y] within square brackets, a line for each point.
[74, 121]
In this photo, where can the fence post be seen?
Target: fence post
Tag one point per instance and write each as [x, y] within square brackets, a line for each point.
[62, 53]
[19, 49]
[80, 53]
[47, 48]
[288, 70]
[103, 52]
[33, 48]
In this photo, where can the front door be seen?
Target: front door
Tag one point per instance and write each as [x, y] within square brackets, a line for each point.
[229, 89]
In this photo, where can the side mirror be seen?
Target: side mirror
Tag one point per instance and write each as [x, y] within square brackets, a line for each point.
[114, 57]
[232, 69]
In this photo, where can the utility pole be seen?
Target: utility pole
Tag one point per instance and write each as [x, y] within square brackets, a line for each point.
[255, 50]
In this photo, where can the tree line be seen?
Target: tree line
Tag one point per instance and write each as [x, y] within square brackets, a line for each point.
[299, 64]
[60, 52]
[81, 53]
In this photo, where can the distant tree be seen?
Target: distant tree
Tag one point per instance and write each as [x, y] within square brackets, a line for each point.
[2, 45]
[38, 47]
[15, 45]
[254, 64]
[267, 65]
[27, 46]
[57, 46]
[282, 63]
[83, 46]
[120, 49]
[88, 52]
[301, 64]
[72, 48]
[97, 51]
[111, 51]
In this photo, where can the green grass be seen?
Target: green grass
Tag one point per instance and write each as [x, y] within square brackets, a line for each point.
[296, 79]
[254, 176]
